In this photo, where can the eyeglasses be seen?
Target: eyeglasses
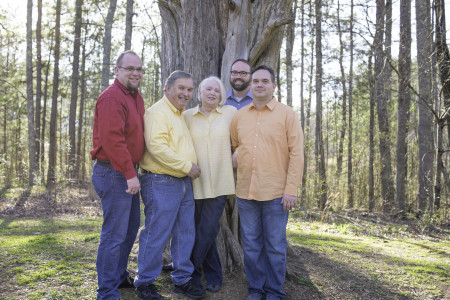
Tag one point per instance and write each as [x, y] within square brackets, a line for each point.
[132, 69]
[241, 73]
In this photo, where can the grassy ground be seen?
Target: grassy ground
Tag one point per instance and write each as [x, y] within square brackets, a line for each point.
[48, 248]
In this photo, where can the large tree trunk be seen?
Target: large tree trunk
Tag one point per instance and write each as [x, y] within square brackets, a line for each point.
[74, 93]
[381, 65]
[30, 104]
[51, 172]
[319, 146]
[204, 38]
[106, 66]
[404, 81]
[425, 128]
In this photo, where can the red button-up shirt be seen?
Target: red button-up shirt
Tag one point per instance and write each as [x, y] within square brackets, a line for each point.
[118, 133]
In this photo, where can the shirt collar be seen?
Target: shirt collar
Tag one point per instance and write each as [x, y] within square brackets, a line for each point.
[196, 109]
[171, 106]
[270, 105]
[231, 95]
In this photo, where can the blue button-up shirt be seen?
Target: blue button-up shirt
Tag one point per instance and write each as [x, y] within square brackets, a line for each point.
[231, 99]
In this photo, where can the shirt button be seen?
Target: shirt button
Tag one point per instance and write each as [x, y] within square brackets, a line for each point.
[256, 134]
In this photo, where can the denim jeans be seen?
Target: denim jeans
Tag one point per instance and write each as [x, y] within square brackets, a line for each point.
[169, 208]
[121, 220]
[204, 255]
[263, 225]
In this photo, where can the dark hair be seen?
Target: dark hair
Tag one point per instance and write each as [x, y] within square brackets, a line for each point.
[268, 69]
[176, 75]
[242, 60]
[120, 58]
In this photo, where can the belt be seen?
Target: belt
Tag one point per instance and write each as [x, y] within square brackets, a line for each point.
[107, 163]
[143, 171]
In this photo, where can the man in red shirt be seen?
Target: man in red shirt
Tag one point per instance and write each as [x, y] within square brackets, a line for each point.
[118, 140]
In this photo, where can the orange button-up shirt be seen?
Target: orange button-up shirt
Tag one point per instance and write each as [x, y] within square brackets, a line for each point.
[269, 145]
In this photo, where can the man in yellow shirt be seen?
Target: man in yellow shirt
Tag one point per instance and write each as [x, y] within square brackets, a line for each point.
[168, 165]
[269, 142]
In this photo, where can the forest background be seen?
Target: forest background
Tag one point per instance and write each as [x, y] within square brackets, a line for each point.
[373, 141]
[370, 81]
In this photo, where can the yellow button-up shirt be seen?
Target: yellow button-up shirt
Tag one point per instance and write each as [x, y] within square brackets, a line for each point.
[270, 151]
[168, 145]
[211, 137]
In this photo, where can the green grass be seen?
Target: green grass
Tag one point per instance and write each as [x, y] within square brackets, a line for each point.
[389, 257]
[50, 258]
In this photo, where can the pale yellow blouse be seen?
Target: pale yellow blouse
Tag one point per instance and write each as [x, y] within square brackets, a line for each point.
[211, 137]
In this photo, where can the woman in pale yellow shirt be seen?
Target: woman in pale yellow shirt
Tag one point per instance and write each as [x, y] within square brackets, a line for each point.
[209, 125]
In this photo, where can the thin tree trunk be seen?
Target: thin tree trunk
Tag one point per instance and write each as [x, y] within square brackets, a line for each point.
[129, 24]
[30, 103]
[381, 65]
[404, 81]
[425, 127]
[443, 61]
[290, 38]
[74, 93]
[51, 174]
[81, 113]
[37, 117]
[344, 98]
[106, 68]
[302, 102]
[371, 134]
[350, 201]
[319, 149]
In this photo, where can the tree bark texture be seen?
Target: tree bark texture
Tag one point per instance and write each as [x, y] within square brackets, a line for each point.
[425, 106]
[381, 65]
[290, 38]
[204, 38]
[74, 91]
[371, 134]
[319, 145]
[106, 66]
[51, 172]
[350, 200]
[30, 103]
[37, 116]
[129, 24]
[340, 153]
[404, 95]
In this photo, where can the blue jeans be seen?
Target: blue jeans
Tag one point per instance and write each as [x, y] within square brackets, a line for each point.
[169, 208]
[263, 225]
[204, 255]
[121, 220]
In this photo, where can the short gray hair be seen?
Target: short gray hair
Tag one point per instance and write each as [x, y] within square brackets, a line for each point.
[223, 93]
[170, 81]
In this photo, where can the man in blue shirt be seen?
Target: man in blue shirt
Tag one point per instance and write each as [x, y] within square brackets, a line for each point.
[240, 94]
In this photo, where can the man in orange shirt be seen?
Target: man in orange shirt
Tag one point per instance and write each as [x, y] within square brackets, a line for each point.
[268, 139]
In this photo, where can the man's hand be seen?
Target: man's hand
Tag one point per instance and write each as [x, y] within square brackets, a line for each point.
[289, 202]
[234, 160]
[194, 172]
[133, 185]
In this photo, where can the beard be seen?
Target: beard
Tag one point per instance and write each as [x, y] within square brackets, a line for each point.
[133, 87]
[239, 86]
